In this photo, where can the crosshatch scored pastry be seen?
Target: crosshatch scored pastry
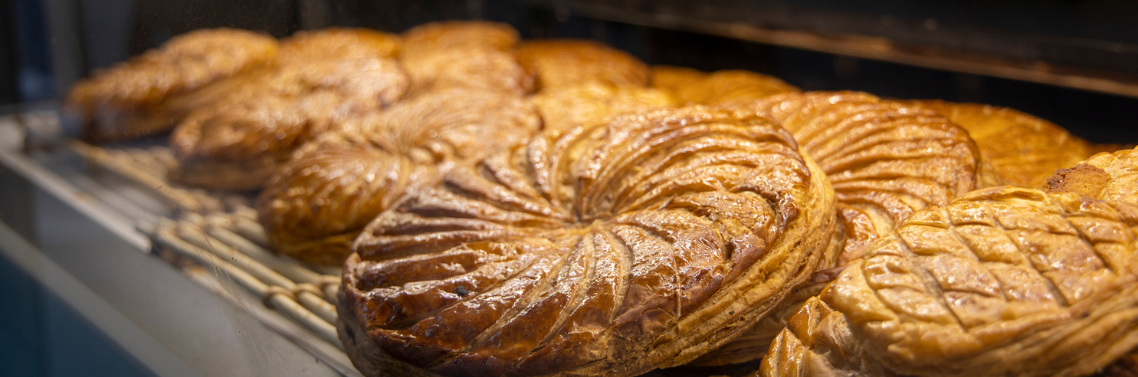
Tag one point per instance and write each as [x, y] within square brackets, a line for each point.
[321, 79]
[1002, 281]
[127, 101]
[885, 160]
[610, 250]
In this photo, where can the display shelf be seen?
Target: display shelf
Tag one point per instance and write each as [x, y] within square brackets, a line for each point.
[76, 236]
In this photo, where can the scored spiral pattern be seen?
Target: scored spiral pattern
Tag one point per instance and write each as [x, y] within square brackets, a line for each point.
[608, 250]
[886, 160]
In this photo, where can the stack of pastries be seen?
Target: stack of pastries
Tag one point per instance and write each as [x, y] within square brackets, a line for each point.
[557, 207]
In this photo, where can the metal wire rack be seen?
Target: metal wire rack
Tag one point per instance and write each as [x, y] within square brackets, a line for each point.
[215, 236]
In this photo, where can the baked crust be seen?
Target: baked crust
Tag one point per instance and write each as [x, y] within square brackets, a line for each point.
[437, 36]
[726, 87]
[1039, 148]
[886, 160]
[476, 68]
[560, 63]
[321, 79]
[565, 109]
[316, 204]
[1112, 176]
[608, 250]
[127, 100]
[670, 78]
[1002, 281]
[468, 54]
[471, 124]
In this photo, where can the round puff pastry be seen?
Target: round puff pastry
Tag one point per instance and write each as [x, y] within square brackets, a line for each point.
[727, 88]
[321, 79]
[608, 250]
[127, 100]
[315, 205]
[886, 160]
[1002, 281]
[470, 54]
[670, 78]
[485, 69]
[436, 36]
[1024, 150]
[565, 109]
[560, 63]
[338, 43]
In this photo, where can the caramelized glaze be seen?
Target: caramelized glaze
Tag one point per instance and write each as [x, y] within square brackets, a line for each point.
[886, 160]
[587, 105]
[469, 54]
[314, 206]
[560, 63]
[1002, 281]
[722, 88]
[127, 100]
[1024, 150]
[320, 79]
[606, 250]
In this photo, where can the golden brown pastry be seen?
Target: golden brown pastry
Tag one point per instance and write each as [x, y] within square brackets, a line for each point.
[437, 36]
[1003, 281]
[611, 250]
[1104, 176]
[397, 160]
[316, 204]
[729, 88]
[343, 44]
[885, 160]
[564, 109]
[468, 54]
[560, 63]
[338, 43]
[485, 69]
[1024, 150]
[670, 78]
[127, 100]
[321, 79]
